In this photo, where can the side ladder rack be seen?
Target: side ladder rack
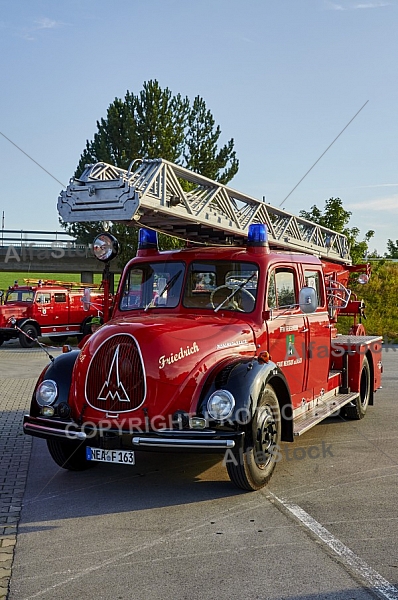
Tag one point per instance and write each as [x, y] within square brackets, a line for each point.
[164, 196]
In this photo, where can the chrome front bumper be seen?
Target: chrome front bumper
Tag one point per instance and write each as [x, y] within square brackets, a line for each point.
[168, 439]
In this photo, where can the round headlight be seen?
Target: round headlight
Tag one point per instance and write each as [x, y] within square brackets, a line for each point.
[47, 392]
[220, 405]
[105, 247]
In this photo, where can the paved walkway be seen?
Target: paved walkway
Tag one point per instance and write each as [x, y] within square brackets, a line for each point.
[19, 370]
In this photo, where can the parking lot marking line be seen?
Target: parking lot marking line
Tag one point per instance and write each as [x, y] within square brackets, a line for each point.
[372, 578]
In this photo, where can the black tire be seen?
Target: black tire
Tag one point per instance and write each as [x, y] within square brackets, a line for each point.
[1, 341]
[252, 469]
[69, 455]
[58, 339]
[356, 410]
[31, 331]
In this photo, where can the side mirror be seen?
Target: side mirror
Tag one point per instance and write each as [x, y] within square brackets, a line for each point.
[86, 299]
[308, 300]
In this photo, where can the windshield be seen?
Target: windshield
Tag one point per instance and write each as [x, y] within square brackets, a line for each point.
[222, 285]
[153, 285]
[19, 296]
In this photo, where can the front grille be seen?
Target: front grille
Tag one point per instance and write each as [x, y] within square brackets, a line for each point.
[115, 379]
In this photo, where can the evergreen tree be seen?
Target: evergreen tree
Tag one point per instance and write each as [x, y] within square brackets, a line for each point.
[201, 153]
[155, 124]
[161, 122]
[116, 141]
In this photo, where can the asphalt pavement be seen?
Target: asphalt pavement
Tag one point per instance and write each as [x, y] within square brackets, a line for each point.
[173, 527]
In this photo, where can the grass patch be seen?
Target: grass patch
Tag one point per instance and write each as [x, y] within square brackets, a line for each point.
[7, 279]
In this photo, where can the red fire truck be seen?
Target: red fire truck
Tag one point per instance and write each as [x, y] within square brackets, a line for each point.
[227, 345]
[47, 308]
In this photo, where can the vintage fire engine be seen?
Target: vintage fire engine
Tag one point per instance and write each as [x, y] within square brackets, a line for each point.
[227, 345]
[47, 308]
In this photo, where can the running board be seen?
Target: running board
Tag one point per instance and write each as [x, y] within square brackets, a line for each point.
[324, 409]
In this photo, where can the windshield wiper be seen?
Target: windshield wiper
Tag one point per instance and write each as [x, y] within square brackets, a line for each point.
[166, 288]
[239, 287]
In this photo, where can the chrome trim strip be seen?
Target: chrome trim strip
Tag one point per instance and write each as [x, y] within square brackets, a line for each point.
[61, 433]
[182, 443]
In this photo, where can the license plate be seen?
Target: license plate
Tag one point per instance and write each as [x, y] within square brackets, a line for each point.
[120, 457]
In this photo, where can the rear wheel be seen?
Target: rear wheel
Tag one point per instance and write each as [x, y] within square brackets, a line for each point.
[356, 410]
[28, 330]
[69, 455]
[252, 469]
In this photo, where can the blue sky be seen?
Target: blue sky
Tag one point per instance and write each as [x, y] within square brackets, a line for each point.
[282, 77]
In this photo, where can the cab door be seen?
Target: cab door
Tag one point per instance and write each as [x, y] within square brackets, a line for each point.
[319, 334]
[43, 308]
[287, 330]
[61, 309]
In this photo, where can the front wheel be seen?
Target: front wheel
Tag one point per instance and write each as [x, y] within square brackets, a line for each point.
[69, 455]
[28, 335]
[356, 410]
[251, 469]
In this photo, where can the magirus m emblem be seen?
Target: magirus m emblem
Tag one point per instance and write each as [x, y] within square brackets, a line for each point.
[113, 388]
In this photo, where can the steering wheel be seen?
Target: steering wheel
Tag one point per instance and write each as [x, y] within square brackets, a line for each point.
[231, 304]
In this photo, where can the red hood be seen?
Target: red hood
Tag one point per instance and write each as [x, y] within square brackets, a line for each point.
[176, 354]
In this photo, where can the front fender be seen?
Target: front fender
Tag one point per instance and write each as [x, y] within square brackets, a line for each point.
[60, 371]
[21, 322]
[246, 381]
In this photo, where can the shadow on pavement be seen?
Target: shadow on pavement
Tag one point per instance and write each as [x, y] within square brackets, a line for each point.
[157, 480]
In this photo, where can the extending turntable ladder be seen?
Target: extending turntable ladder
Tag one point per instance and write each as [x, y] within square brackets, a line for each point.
[169, 198]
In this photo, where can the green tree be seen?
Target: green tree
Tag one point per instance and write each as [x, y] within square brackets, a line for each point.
[334, 216]
[392, 249]
[155, 124]
[161, 122]
[201, 151]
[116, 141]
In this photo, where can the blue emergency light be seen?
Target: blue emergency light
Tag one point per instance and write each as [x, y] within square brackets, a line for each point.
[257, 235]
[147, 239]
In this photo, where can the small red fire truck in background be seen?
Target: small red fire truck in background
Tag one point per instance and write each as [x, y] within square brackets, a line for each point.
[228, 345]
[48, 308]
